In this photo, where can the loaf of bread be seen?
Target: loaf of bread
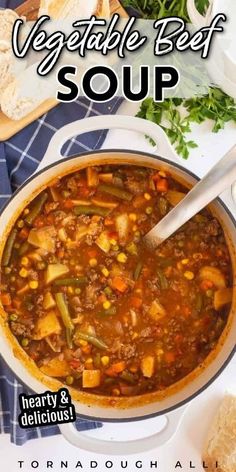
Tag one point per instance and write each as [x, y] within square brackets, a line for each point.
[26, 92]
[65, 9]
[7, 20]
[221, 441]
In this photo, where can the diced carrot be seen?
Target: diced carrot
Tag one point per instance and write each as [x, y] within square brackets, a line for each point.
[24, 233]
[86, 349]
[6, 299]
[68, 204]
[156, 177]
[162, 185]
[39, 222]
[50, 219]
[119, 284]
[136, 302]
[186, 311]
[84, 191]
[108, 221]
[169, 357]
[116, 368]
[206, 284]
[92, 253]
[60, 253]
[102, 298]
[16, 303]
[113, 235]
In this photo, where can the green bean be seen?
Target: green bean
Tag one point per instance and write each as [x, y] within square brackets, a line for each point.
[138, 271]
[32, 215]
[9, 248]
[91, 210]
[69, 338]
[128, 377]
[92, 340]
[162, 279]
[24, 248]
[76, 282]
[108, 312]
[116, 192]
[199, 302]
[64, 311]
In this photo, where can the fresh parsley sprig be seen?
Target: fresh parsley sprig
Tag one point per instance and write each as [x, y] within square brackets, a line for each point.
[175, 116]
[155, 9]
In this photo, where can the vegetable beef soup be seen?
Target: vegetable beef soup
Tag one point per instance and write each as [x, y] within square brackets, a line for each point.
[95, 308]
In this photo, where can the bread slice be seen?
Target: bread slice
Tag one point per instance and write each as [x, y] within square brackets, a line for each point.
[65, 9]
[7, 20]
[221, 441]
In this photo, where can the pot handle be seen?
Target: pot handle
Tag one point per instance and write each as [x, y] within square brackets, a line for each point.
[78, 439]
[196, 18]
[53, 153]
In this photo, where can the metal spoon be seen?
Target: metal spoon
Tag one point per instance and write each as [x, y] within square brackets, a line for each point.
[218, 179]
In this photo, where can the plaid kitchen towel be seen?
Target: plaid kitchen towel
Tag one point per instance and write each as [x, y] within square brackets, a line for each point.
[19, 158]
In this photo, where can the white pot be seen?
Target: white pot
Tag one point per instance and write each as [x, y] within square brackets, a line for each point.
[222, 61]
[87, 405]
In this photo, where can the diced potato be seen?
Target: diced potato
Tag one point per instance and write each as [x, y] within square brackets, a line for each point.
[103, 242]
[44, 238]
[54, 271]
[56, 368]
[91, 378]
[47, 325]
[174, 197]
[148, 366]
[122, 226]
[62, 235]
[222, 297]
[92, 177]
[48, 301]
[214, 275]
[157, 310]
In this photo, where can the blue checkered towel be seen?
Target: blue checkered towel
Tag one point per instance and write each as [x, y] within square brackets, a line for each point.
[19, 158]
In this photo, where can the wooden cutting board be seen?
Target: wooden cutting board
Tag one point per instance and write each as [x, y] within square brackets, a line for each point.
[9, 127]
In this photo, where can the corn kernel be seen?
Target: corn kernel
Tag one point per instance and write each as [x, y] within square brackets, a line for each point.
[189, 275]
[116, 392]
[162, 174]
[106, 305]
[89, 360]
[20, 224]
[23, 273]
[122, 257]
[25, 261]
[135, 336]
[116, 248]
[105, 272]
[147, 196]
[33, 284]
[70, 290]
[135, 228]
[7, 270]
[83, 343]
[149, 210]
[105, 360]
[137, 234]
[132, 217]
[185, 261]
[26, 211]
[133, 369]
[93, 262]
[113, 242]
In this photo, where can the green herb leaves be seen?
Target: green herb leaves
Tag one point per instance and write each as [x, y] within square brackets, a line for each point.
[155, 9]
[175, 116]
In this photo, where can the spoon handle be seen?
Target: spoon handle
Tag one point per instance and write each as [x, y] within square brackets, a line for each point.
[220, 177]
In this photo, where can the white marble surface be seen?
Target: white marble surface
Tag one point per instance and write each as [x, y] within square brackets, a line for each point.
[186, 445]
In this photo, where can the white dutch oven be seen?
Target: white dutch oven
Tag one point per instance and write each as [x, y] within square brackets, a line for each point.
[222, 61]
[170, 403]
